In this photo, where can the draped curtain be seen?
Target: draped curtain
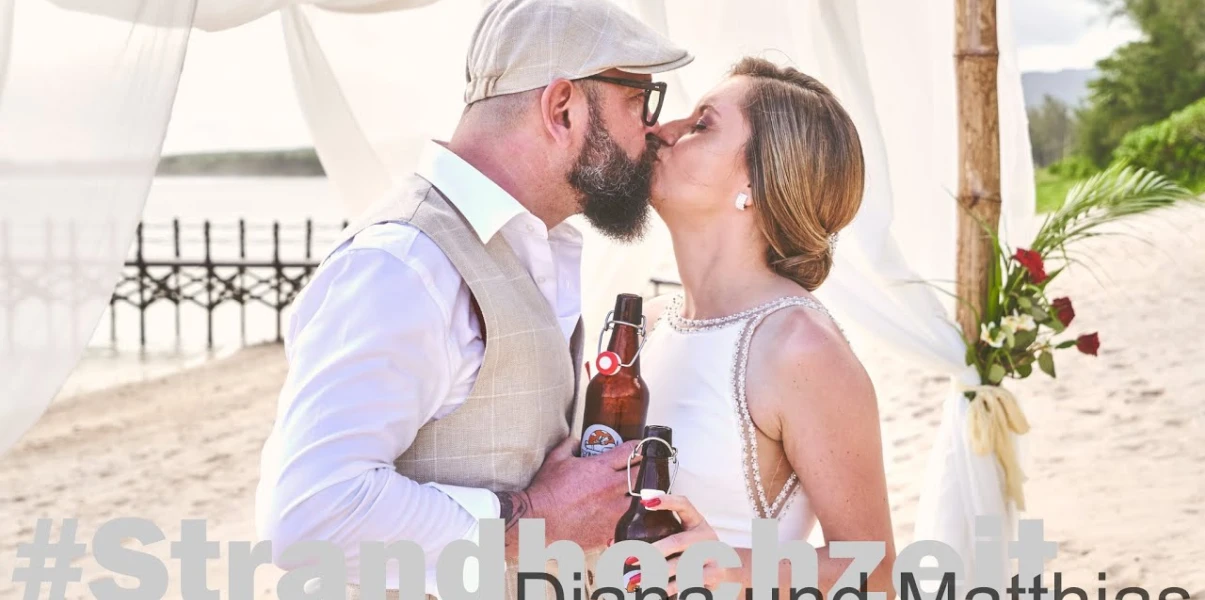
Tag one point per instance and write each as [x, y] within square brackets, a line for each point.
[84, 107]
[890, 63]
[6, 38]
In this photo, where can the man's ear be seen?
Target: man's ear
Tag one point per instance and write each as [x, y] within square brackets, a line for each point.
[556, 110]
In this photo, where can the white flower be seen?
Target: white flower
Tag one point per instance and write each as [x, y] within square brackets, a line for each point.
[1009, 324]
[1014, 323]
[1027, 323]
[995, 341]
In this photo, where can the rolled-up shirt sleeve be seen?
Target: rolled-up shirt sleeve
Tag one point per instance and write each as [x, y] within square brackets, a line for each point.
[369, 364]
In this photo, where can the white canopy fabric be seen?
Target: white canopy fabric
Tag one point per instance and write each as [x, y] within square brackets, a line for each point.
[77, 154]
[6, 38]
[890, 63]
[216, 15]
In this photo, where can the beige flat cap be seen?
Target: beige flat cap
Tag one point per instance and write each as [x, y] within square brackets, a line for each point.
[522, 45]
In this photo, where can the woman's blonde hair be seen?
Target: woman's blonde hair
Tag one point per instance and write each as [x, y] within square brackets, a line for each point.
[805, 165]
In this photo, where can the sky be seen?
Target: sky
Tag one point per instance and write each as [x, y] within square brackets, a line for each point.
[236, 89]
[1066, 34]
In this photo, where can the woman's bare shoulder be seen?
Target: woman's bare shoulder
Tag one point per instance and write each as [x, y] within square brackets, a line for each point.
[805, 361]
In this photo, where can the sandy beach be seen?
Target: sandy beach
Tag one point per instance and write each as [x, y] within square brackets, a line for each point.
[1116, 456]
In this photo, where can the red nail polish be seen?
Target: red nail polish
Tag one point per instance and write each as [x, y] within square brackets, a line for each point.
[651, 503]
[630, 561]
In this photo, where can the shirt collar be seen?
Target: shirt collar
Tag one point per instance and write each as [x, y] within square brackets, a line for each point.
[485, 205]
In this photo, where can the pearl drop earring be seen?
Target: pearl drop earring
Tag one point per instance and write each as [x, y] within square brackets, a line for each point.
[742, 201]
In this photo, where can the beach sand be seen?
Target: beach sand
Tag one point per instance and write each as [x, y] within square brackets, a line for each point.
[1116, 456]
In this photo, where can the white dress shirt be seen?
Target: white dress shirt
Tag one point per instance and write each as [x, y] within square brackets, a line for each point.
[381, 341]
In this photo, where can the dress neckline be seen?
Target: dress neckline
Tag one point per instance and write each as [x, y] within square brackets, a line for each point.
[681, 324]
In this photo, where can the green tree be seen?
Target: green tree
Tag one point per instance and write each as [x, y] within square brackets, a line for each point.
[1145, 81]
[1174, 147]
[1051, 130]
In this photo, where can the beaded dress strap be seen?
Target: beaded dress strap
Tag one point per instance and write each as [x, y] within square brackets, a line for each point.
[762, 507]
[669, 308]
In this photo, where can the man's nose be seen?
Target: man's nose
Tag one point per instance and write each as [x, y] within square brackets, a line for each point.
[666, 132]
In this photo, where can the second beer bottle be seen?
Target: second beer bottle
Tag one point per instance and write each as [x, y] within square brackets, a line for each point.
[640, 523]
[617, 400]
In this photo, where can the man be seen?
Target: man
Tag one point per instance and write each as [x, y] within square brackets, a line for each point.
[435, 357]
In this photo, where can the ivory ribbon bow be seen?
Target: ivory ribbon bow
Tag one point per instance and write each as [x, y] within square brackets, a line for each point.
[992, 415]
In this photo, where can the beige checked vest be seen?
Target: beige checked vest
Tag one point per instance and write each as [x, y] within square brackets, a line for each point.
[524, 400]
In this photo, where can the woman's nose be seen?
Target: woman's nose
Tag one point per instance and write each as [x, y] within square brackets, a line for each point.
[669, 132]
[658, 131]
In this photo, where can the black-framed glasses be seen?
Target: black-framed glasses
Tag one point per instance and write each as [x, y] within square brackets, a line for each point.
[654, 95]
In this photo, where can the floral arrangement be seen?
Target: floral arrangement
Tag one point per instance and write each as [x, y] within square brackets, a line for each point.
[1020, 326]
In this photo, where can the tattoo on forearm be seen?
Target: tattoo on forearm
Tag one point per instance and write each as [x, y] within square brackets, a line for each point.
[514, 506]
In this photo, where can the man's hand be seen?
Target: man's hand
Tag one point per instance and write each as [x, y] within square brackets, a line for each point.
[579, 499]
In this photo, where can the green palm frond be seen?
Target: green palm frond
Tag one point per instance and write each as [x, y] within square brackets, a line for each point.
[1117, 192]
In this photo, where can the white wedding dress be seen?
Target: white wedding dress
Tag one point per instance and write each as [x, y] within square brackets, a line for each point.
[695, 371]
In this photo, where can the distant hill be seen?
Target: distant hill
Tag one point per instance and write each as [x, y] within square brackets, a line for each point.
[1070, 86]
[301, 162]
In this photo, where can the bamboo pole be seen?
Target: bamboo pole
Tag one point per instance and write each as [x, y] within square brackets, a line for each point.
[976, 59]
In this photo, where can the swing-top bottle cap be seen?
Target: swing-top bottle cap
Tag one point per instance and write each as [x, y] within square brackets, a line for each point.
[629, 307]
[608, 363]
[654, 449]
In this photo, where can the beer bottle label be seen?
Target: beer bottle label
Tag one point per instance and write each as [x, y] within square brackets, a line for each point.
[598, 439]
[631, 580]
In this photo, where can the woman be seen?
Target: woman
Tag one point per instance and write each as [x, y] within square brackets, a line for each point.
[754, 186]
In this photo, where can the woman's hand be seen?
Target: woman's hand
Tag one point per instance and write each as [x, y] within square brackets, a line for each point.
[696, 529]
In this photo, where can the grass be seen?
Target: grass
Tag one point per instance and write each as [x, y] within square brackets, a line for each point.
[1051, 190]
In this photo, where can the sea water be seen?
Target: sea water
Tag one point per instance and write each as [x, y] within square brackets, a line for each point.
[116, 355]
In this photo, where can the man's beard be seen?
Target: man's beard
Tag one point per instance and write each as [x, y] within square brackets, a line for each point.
[615, 189]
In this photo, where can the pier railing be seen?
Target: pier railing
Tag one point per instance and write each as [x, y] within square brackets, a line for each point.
[220, 269]
[209, 265]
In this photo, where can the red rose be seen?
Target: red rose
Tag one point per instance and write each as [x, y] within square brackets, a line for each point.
[1088, 343]
[1032, 261]
[1062, 308]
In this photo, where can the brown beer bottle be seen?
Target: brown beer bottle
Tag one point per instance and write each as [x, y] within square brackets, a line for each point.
[640, 523]
[617, 400]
